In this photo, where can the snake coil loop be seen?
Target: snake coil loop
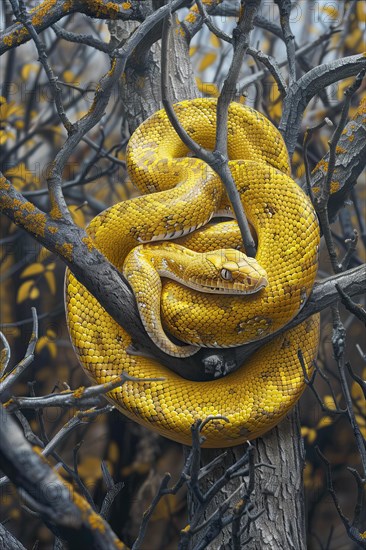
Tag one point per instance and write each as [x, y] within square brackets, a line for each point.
[180, 196]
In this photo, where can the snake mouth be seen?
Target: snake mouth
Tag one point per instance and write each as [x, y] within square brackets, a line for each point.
[204, 288]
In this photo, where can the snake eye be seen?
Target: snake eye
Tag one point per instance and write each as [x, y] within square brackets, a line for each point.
[226, 274]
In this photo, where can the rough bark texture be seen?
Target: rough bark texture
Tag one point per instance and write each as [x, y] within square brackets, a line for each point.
[140, 90]
[8, 541]
[350, 161]
[307, 87]
[278, 491]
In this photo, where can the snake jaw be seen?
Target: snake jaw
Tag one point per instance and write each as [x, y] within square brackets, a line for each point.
[238, 289]
[227, 271]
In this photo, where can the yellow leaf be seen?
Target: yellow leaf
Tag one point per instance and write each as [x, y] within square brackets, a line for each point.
[24, 290]
[215, 41]
[113, 451]
[27, 70]
[77, 215]
[51, 281]
[309, 433]
[69, 76]
[34, 269]
[329, 402]
[300, 171]
[312, 436]
[361, 12]
[34, 293]
[5, 135]
[20, 176]
[52, 348]
[207, 60]
[48, 342]
[353, 38]
[207, 88]
[165, 508]
[330, 10]
[356, 391]
[360, 420]
[44, 254]
[323, 422]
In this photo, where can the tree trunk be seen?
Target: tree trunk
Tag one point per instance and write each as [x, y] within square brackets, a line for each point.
[278, 490]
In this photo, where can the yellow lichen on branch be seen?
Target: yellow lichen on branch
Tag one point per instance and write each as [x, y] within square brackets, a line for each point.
[106, 9]
[40, 12]
[88, 242]
[65, 250]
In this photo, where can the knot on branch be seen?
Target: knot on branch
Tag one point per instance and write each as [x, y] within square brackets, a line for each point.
[218, 160]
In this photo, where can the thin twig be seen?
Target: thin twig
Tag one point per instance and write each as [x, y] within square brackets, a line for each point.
[321, 200]
[85, 39]
[5, 354]
[284, 7]
[22, 15]
[81, 397]
[309, 132]
[352, 531]
[338, 341]
[14, 374]
[310, 383]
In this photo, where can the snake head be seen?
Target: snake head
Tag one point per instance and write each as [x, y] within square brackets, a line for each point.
[226, 271]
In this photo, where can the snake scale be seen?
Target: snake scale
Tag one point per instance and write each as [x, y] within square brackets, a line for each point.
[180, 194]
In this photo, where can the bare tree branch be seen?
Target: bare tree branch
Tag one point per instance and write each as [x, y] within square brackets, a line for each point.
[349, 164]
[321, 199]
[43, 16]
[71, 518]
[307, 87]
[284, 7]
[8, 541]
[9, 378]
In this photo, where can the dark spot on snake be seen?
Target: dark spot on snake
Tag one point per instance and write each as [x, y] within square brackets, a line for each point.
[269, 209]
[286, 343]
[308, 324]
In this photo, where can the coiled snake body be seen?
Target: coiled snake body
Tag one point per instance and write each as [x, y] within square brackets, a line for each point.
[180, 195]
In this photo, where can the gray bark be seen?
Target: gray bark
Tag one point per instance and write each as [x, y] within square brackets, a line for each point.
[8, 542]
[278, 490]
[302, 91]
[140, 91]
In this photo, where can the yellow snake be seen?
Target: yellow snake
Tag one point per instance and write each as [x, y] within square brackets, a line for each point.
[180, 195]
